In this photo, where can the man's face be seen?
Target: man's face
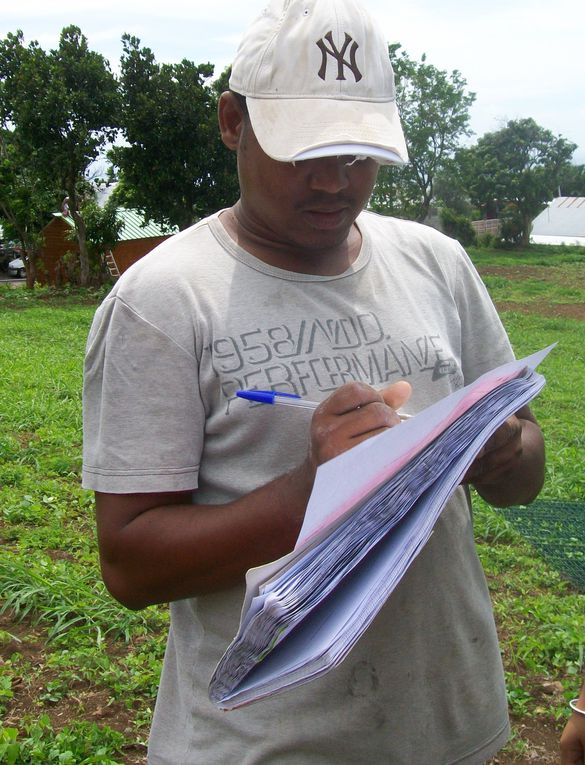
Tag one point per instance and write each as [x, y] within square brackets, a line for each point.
[309, 206]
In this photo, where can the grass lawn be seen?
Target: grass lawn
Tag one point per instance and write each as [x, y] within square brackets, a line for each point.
[78, 673]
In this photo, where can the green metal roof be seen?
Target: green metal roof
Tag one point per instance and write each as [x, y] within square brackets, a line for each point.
[133, 225]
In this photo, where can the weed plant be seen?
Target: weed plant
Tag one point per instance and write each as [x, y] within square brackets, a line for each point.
[63, 637]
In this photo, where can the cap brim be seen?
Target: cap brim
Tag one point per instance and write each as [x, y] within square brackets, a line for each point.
[357, 150]
[290, 130]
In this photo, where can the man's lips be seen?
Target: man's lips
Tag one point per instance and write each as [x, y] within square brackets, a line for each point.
[327, 217]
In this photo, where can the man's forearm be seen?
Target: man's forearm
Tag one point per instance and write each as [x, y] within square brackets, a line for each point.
[178, 550]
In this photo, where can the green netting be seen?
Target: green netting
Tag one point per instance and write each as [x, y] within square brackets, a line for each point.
[556, 529]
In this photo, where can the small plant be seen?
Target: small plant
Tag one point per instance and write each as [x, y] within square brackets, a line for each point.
[519, 699]
[9, 747]
[67, 597]
[5, 689]
[487, 241]
[80, 743]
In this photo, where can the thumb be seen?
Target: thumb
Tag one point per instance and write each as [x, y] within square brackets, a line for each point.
[397, 395]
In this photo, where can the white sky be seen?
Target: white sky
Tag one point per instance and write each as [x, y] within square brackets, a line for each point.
[523, 58]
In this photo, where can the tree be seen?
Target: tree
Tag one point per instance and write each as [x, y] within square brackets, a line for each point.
[25, 194]
[24, 200]
[434, 109]
[517, 170]
[173, 167]
[450, 189]
[102, 229]
[64, 105]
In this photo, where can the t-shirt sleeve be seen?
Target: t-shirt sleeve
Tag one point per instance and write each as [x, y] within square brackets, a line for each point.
[143, 418]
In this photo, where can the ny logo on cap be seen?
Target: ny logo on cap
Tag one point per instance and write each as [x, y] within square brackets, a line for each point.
[339, 56]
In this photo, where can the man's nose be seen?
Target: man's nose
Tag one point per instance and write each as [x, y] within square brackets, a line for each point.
[328, 174]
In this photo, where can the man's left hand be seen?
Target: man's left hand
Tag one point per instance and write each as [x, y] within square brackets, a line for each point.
[499, 455]
[509, 469]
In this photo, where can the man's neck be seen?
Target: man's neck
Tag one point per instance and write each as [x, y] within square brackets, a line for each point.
[321, 262]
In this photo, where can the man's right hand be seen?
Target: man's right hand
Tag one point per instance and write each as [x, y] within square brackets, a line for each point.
[354, 413]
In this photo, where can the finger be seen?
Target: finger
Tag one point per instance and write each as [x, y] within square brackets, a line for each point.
[490, 466]
[332, 430]
[368, 418]
[398, 394]
[333, 447]
[349, 397]
[352, 414]
[510, 430]
[499, 452]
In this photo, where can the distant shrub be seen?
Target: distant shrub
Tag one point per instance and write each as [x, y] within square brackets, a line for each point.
[458, 226]
[512, 227]
[487, 241]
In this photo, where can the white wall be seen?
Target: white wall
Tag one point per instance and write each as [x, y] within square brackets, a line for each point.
[568, 240]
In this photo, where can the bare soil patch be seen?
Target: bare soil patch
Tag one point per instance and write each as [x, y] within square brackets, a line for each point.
[553, 274]
[82, 702]
[542, 745]
[560, 275]
[544, 308]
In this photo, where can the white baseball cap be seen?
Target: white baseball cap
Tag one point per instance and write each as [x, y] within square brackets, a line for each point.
[318, 82]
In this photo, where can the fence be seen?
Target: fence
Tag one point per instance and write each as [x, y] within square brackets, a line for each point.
[490, 226]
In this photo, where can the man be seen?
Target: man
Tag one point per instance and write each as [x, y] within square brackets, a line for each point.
[296, 289]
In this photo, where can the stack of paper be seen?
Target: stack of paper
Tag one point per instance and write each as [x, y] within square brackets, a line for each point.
[371, 511]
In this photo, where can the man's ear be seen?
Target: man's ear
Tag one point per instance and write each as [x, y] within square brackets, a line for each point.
[231, 120]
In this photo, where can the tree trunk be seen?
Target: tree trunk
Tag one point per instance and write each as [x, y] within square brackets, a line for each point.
[526, 230]
[30, 256]
[31, 269]
[424, 208]
[83, 252]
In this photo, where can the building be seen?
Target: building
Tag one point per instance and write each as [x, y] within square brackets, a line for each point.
[562, 222]
[59, 250]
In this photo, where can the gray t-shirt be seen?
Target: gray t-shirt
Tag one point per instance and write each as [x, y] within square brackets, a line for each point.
[198, 319]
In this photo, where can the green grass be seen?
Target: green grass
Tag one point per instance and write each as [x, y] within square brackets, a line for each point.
[530, 290]
[559, 408]
[536, 255]
[540, 616]
[65, 642]
[50, 585]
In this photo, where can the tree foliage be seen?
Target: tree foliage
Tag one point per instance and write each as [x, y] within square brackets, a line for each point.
[517, 168]
[24, 198]
[24, 178]
[458, 226]
[64, 107]
[173, 166]
[434, 109]
[572, 181]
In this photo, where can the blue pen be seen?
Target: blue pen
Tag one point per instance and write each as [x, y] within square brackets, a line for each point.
[287, 399]
[277, 397]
